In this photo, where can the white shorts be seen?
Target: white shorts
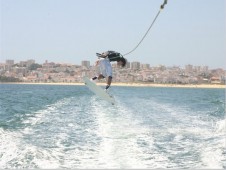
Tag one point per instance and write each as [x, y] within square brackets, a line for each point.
[105, 67]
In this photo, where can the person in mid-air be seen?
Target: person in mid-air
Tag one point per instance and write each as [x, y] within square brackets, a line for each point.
[105, 68]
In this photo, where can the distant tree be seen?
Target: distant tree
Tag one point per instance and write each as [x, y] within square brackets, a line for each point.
[67, 71]
[34, 66]
[15, 65]
[9, 79]
[72, 73]
[53, 71]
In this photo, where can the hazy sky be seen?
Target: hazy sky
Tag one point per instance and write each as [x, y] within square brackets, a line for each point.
[69, 31]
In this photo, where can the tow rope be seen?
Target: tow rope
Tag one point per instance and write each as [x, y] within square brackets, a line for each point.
[161, 8]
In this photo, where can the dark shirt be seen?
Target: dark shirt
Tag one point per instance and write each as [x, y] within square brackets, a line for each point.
[112, 55]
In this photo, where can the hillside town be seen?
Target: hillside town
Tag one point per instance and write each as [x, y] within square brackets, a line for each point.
[135, 72]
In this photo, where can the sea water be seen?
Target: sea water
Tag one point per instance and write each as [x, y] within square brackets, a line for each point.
[50, 126]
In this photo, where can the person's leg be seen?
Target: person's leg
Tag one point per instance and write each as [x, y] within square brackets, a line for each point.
[94, 78]
[100, 77]
[109, 72]
[104, 67]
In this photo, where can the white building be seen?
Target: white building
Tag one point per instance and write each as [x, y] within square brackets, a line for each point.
[135, 65]
[9, 62]
[86, 64]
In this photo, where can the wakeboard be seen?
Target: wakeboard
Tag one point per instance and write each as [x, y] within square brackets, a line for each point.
[99, 91]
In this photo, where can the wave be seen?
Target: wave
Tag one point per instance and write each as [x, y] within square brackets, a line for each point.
[221, 126]
[183, 134]
[39, 143]
[142, 131]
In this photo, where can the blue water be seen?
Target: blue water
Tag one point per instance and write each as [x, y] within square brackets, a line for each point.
[44, 126]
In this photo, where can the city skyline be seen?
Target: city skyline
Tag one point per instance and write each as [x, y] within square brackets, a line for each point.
[74, 30]
[50, 72]
[92, 64]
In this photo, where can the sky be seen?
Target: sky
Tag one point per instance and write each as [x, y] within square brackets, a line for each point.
[70, 31]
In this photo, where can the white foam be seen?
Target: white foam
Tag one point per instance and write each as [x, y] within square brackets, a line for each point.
[14, 153]
[125, 143]
[212, 157]
[120, 139]
[8, 147]
[221, 126]
[38, 116]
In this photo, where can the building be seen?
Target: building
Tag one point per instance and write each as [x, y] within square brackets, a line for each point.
[145, 66]
[9, 62]
[86, 64]
[23, 64]
[135, 65]
[30, 62]
[127, 64]
[205, 68]
[188, 68]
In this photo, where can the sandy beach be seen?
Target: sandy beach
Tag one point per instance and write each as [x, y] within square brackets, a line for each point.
[134, 85]
[171, 85]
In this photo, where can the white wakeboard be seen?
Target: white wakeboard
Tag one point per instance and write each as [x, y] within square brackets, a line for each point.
[98, 90]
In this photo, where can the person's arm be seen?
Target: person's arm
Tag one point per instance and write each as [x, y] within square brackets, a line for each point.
[112, 55]
[102, 55]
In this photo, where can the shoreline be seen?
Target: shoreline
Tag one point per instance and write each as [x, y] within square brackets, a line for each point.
[214, 86]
